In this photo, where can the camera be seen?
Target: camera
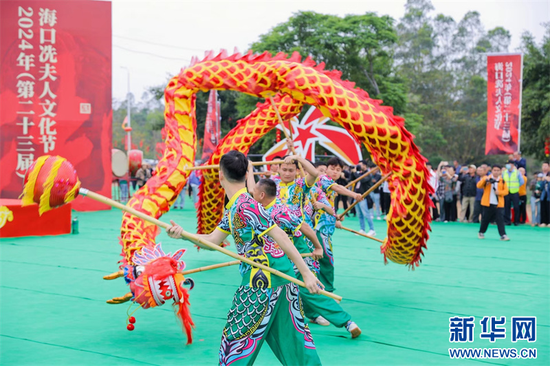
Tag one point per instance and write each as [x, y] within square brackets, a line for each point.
[491, 180]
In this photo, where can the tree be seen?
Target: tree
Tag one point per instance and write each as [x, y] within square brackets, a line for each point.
[535, 114]
[444, 63]
[360, 46]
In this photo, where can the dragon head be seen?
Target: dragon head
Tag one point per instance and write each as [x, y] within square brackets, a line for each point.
[155, 278]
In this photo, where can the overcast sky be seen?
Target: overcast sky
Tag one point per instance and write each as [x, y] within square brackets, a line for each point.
[154, 39]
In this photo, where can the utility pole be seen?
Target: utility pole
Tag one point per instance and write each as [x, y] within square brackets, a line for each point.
[129, 116]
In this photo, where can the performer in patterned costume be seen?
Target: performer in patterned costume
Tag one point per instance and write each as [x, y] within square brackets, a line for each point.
[265, 307]
[321, 309]
[292, 191]
[325, 222]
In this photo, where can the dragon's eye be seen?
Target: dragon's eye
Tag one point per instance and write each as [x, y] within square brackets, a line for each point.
[168, 293]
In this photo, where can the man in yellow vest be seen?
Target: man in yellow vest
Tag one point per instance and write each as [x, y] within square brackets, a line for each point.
[514, 180]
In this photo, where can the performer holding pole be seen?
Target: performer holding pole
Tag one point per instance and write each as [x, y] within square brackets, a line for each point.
[315, 307]
[273, 308]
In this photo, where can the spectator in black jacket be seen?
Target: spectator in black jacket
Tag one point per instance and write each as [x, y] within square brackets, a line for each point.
[469, 190]
[519, 161]
[343, 181]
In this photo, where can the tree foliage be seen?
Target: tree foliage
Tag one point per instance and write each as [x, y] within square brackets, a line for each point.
[444, 63]
[360, 46]
[429, 67]
[535, 117]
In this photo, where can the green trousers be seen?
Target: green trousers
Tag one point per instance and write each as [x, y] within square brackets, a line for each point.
[315, 305]
[326, 264]
[274, 315]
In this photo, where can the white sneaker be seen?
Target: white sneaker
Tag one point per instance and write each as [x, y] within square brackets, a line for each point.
[371, 233]
[320, 321]
[353, 329]
[361, 232]
[378, 218]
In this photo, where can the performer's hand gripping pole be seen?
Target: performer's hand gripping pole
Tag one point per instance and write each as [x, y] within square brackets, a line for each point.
[198, 240]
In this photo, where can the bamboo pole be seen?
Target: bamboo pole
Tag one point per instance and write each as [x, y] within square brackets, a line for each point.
[372, 171]
[208, 268]
[221, 265]
[365, 235]
[262, 173]
[217, 166]
[288, 138]
[197, 240]
[364, 195]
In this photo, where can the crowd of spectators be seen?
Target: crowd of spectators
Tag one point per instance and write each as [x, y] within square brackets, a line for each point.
[461, 193]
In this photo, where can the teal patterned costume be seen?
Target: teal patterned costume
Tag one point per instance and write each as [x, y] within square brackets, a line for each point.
[325, 227]
[265, 307]
[314, 305]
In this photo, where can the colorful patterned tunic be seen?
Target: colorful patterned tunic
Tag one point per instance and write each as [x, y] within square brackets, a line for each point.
[291, 224]
[283, 217]
[293, 194]
[249, 223]
[264, 307]
[322, 192]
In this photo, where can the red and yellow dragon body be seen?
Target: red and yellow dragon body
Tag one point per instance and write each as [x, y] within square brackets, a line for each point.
[293, 84]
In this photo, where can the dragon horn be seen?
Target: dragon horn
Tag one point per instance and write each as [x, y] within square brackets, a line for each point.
[114, 275]
[120, 300]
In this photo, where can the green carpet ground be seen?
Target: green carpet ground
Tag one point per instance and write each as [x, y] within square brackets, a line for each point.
[53, 310]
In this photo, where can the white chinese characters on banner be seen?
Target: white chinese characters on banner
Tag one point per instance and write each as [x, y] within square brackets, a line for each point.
[28, 87]
[498, 93]
[47, 58]
[507, 100]
[25, 90]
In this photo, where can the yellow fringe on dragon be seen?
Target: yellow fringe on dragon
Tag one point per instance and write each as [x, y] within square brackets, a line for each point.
[384, 135]
[294, 83]
[241, 138]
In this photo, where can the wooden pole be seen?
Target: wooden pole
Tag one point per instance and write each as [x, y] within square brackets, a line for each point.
[287, 136]
[358, 233]
[372, 171]
[261, 173]
[216, 166]
[364, 195]
[302, 171]
[196, 239]
[220, 265]
[213, 266]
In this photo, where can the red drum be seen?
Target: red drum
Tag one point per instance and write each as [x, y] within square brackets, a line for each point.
[135, 158]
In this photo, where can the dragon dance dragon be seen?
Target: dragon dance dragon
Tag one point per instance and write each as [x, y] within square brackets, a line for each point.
[152, 275]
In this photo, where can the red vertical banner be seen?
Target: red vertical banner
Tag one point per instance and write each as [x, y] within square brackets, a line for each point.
[504, 74]
[212, 128]
[55, 91]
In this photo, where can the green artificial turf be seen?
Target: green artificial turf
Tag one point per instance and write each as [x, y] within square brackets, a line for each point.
[53, 310]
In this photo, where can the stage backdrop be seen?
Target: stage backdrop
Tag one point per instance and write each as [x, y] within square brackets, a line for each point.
[55, 91]
[504, 74]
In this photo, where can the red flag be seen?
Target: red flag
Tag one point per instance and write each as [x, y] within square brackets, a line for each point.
[212, 128]
[504, 73]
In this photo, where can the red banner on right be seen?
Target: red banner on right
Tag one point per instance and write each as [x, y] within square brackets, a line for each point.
[504, 74]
